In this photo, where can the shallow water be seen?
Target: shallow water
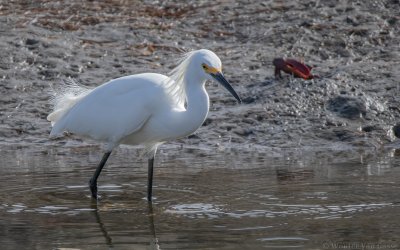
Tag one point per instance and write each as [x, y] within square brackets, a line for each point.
[203, 199]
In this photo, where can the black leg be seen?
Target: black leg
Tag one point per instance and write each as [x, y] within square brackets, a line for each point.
[150, 179]
[93, 180]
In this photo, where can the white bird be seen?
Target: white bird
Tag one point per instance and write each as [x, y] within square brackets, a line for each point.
[147, 109]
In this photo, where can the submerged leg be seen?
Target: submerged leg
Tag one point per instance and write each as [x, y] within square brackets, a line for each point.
[150, 179]
[93, 180]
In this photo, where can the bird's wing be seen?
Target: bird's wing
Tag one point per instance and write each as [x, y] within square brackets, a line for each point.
[112, 111]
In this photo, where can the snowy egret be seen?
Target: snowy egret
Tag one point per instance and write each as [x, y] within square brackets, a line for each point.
[147, 109]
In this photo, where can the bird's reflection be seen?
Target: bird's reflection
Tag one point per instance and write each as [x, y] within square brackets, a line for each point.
[103, 229]
[287, 175]
[154, 240]
[108, 239]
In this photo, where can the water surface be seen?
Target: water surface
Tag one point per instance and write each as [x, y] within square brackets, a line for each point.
[204, 199]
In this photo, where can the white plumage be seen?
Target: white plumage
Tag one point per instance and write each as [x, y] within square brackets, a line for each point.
[147, 109]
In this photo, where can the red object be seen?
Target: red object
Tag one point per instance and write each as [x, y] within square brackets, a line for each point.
[293, 67]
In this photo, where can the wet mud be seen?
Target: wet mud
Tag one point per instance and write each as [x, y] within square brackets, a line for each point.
[352, 46]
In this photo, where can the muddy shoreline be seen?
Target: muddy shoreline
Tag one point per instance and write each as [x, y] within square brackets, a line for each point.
[353, 46]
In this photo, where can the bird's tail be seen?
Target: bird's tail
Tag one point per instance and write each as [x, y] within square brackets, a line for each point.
[64, 97]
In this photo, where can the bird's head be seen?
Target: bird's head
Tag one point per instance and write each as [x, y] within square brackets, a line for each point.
[210, 67]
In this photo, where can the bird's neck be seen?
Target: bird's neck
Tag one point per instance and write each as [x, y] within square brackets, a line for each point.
[197, 100]
[197, 104]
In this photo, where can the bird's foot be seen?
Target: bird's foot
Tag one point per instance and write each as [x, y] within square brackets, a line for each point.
[93, 188]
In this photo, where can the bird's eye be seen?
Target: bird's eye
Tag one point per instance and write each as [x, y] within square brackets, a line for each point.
[204, 66]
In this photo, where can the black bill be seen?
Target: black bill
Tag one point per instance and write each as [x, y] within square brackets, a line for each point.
[221, 79]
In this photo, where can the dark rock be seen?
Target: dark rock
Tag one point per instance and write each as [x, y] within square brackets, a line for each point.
[343, 134]
[249, 121]
[343, 52]
[392, 21]
[207, 122]
[254, 67]
[267, 82]
[370, 128]
[347, 107]
[259, 117]
[31, 41]
[194, 136]
[334, 123]
[249, 99]
[307, 24]
[352, 21]
[323, 55]
[32, 44]
[227, 126]
[396, 130]
[242, 131]
[48, 74]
